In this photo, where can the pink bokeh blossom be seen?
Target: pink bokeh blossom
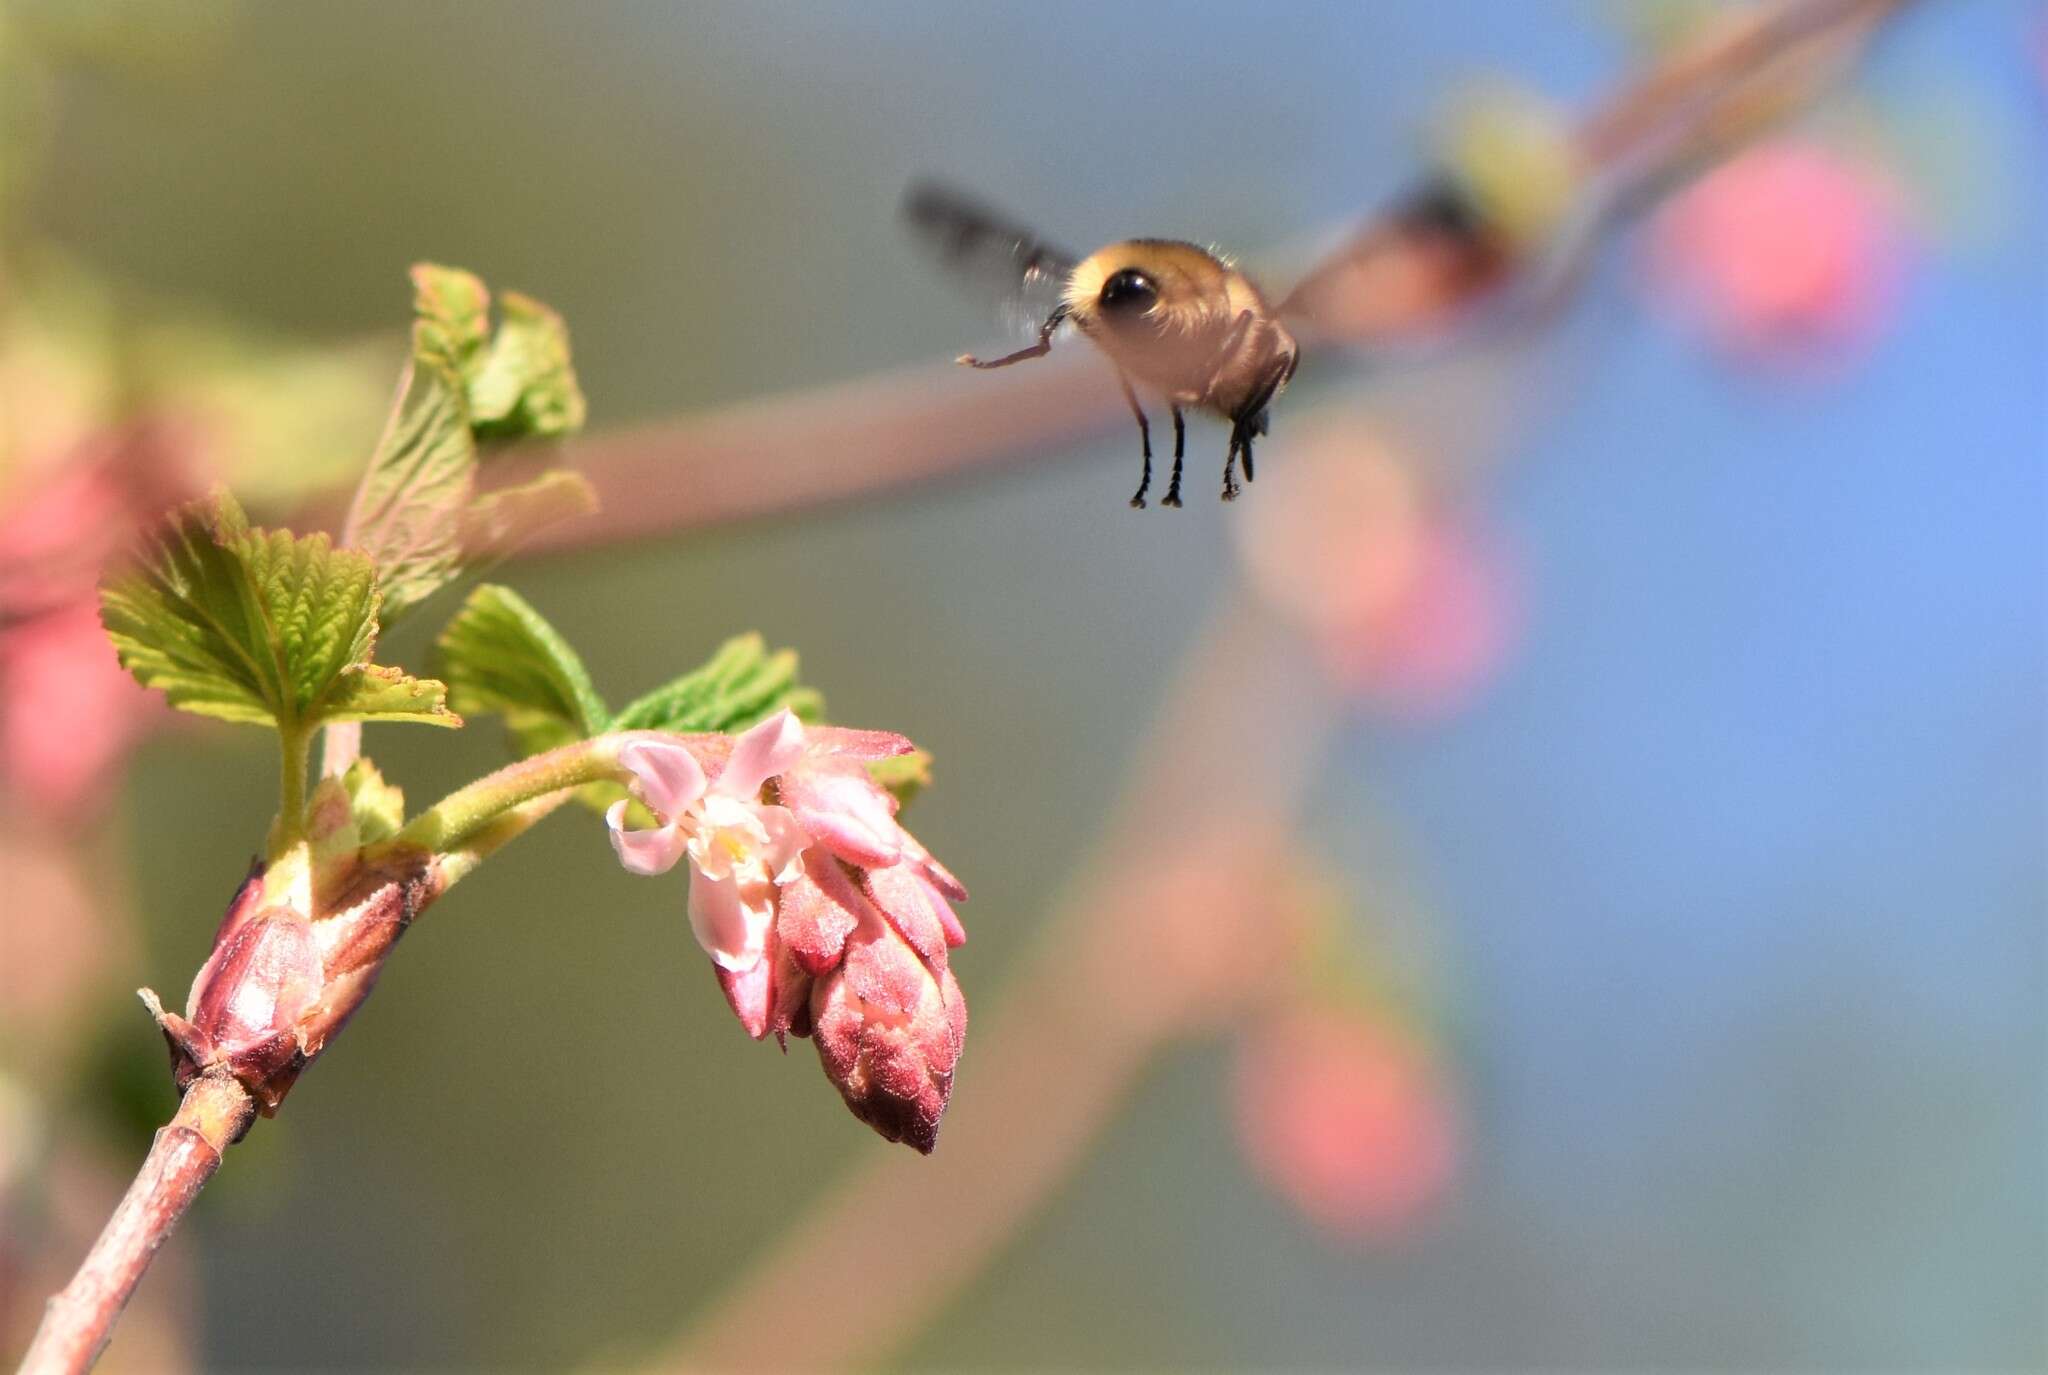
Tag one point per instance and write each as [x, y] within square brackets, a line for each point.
[1428, 650]
[1346, 1119]
[68, 711]
[1406, 602]
[1789, 256]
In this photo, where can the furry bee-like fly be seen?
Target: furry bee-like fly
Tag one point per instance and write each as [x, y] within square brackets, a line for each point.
[1174, 318]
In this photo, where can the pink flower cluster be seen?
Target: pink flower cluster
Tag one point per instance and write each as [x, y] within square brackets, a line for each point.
[823, 917]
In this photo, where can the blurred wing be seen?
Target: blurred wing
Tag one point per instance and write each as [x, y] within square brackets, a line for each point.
[1405, 276]
[1004, 262]
[1431, 276]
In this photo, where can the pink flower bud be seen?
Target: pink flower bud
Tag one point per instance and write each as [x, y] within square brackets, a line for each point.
[840, 806]
[279, 983]
[247, 999]
[890, 1029]
[771, 995]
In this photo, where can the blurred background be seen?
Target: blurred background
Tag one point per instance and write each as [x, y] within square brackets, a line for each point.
[1653, 936]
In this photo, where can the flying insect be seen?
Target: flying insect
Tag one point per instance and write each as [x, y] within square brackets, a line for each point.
[1172, 317]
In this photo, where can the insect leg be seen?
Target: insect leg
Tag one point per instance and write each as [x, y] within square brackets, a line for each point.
[1180, 447]
[1144, 438]
[1037, 350]
[1251, 419]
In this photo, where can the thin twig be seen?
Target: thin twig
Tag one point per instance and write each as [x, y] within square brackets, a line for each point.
[214, 1114]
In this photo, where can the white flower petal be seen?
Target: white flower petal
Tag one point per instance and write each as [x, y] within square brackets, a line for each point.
[732, 929]
[764, 751]
[643, 852]
[708, 856]
[783, 852]
[666, 776]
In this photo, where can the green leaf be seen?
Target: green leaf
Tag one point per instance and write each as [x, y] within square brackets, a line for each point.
[377, 808]
[257, 626]
[453, 318]
[345, 813]
[499, 522]
[526, 385]
[377, 692]
[407, 512]
[418, 512]
[743, 683]
[503, 658]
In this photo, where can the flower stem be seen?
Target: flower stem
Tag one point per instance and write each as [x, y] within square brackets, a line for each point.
[466, 813]
[458, 862]
[215, 1112]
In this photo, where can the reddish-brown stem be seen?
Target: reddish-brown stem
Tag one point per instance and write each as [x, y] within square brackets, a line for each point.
[214, 1114]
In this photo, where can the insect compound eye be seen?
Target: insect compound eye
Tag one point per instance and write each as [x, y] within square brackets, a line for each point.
[1129, 292]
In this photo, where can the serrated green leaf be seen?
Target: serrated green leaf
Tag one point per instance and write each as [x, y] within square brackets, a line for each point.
[452, 310]
[741, 684]
[407, 513]
[526, 384]
[378, 692]
[502, 658]
[257, 626]
[417, 512]
[184, 620]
